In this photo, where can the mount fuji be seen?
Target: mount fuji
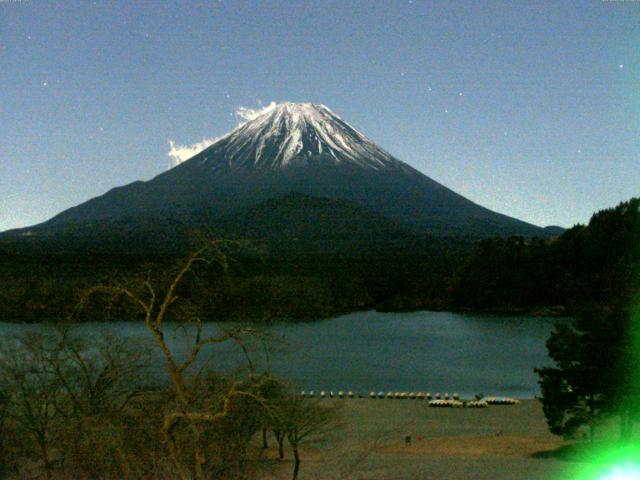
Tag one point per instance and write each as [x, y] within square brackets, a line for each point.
[296, 158]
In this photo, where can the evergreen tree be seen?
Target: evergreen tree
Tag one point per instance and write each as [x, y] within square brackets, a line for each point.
[583, 386]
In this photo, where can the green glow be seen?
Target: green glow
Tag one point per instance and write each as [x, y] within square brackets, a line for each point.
[613, 459]
[609, 462]
[627, 471]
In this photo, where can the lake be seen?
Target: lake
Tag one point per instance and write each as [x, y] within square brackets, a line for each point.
[365, 351]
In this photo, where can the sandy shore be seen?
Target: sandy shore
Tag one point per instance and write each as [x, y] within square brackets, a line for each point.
[498, 442]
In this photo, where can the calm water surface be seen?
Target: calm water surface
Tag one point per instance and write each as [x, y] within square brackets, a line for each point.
[418, 351]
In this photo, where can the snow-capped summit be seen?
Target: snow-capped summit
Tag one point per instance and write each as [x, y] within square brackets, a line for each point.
[296, 133]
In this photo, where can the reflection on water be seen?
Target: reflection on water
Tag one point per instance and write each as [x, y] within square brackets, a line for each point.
[419, 351]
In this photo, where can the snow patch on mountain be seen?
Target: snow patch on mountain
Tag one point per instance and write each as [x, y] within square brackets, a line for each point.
[283, 134]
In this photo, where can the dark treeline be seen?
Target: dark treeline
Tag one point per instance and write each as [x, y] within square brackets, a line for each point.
[588, 266]
[265, 280]
[303, 279]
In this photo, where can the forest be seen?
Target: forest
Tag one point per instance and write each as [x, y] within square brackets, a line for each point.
[593, 264]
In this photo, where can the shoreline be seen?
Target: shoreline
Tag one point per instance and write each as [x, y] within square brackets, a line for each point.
[551, 311]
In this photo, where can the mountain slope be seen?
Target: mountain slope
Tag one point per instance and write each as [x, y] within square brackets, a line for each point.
[301, 217]
[302, 148]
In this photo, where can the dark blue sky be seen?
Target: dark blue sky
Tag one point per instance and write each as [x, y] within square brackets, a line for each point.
[531, 108]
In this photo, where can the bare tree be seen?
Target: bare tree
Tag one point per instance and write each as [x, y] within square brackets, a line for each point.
[101, 376]
[155, 304]
[301, 421]
[32, 394]
[66, 395]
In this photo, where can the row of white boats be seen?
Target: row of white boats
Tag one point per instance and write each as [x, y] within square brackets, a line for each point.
[436, 400]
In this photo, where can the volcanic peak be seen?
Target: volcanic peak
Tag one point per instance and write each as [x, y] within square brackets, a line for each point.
[288, 133]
